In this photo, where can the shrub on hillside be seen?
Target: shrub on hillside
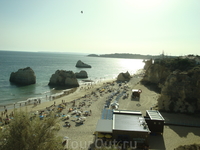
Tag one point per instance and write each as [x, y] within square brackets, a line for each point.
[177, 63]
[30, 133]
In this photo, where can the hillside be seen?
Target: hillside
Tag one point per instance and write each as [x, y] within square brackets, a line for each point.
[179, 83]
[127, 55]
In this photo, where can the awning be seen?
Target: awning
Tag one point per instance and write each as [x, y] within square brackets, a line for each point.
[104, 126]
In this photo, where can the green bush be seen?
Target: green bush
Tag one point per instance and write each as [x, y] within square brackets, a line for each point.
[24, 133]
[177, 63]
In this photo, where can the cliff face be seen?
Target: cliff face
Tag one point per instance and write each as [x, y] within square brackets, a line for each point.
[181, 92]
[148, 63]
[156, 74]
[179, 81]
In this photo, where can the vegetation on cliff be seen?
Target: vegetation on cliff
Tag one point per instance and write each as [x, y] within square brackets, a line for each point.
[177, 63]
[179, 81]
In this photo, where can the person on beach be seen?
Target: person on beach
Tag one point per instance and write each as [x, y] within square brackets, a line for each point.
[64, 143]
[1, 120]
[90, 112]
[73, 103]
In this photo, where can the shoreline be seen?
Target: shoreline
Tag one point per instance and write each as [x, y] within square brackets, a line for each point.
[47, 98]
[94, 97]
[89, 86]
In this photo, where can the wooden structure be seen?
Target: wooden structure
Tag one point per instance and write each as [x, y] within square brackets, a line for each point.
[155, 121]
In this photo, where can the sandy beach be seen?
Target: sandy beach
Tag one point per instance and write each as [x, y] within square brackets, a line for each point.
[91, 99]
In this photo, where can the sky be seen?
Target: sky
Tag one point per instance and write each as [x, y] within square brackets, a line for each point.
[105, 26]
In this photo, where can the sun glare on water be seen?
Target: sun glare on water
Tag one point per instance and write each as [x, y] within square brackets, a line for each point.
[131, 64]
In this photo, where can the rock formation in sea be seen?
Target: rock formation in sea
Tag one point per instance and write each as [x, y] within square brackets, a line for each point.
[179, 82]
[81, 64]
[123, 77]
[63, 78]
[81, 74]
[25, 76]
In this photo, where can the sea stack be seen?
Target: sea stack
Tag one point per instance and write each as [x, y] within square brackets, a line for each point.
[63, 78]
[25, 76]
[81, 74]
[81, 64]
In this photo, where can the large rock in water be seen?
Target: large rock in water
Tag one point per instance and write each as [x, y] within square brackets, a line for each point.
[64, 79]
[25, 76]
[123, 77]
[81, 64]
[81, 74]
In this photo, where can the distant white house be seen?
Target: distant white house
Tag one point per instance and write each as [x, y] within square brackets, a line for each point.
[192, 57]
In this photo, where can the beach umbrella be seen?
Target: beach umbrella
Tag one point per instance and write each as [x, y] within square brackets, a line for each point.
[78, 111]
[108, 136]
[63, 115]
[100, 135]
[65, 137]
[86, 112]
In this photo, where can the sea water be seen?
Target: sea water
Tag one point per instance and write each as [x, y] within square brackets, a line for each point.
[45, 64]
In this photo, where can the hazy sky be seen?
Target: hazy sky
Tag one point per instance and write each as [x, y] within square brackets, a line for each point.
[105, 26]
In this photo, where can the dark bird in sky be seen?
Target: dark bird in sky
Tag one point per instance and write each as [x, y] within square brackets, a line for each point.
[81, 11]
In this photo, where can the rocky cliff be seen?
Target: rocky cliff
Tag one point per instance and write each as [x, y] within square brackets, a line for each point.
[25, 76]
[156, 74]
[148, 63]
[181, 92]
[63, 78]
[179, 81]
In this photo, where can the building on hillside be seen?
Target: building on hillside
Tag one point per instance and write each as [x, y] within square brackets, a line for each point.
[197, 60]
